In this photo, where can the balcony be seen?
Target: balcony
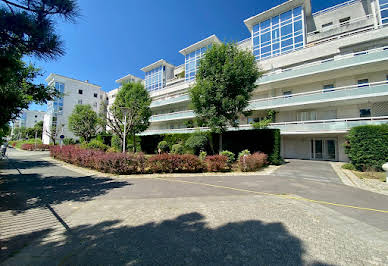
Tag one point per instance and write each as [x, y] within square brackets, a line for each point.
[297, 127]
[171, 100]
[338, 62]
[322, 96]
[172, 116]
[327, 126]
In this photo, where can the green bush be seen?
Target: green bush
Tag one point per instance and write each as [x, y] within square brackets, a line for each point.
[68, 141]
[230, 155]
[177, 149]
[116, 143]
[197, 142]
[97, 145]
[172, 139]
[202, 155]
[367, 146]
[274, 157]
[348, 166]
[242, 153]
[163, 146]
[28, 141]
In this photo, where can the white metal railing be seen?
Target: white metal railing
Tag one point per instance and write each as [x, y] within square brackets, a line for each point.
[174, 81]
[343, 88]
[346, 23]
[348, 3]
[376, 118]
[174, 113]
[335, 58]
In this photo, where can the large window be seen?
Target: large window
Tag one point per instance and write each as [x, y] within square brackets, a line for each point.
[192, 63]
[57, 105]
[154, 79]
[384, 11]
[279, 34]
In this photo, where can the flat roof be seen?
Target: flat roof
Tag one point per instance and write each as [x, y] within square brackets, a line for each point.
[277, 10]
[52, 75]
[159, 63]
[126, 77]
[205, 42]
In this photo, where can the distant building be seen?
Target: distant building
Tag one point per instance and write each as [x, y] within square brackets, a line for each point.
[28, 118]
[75, 92]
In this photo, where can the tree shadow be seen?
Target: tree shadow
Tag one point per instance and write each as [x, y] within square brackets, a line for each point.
[24, 164]
[21, 192]
[187, 239]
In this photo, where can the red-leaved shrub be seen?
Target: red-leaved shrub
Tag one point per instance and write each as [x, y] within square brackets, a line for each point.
[217, 163]
[33, 147]
[252, 162]
[175, 163]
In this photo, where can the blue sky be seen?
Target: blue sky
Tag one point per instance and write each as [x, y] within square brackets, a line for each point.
[116, 38]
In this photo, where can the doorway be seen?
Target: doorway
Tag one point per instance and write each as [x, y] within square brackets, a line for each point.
[324, 149]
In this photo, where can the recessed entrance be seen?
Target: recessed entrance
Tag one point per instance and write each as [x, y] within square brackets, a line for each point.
[324, 149]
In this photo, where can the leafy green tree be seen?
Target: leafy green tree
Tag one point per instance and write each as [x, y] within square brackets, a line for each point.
[27, 29]
[132, 102]
[83, 121]
[224, 82]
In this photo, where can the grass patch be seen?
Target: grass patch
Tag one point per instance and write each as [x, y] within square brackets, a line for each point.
[371, 175]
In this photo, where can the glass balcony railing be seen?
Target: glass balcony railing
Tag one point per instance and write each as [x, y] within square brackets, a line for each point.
[172, 116]
[321, 96]
[297, 127]
[338, 62]
[172, 100]
[327, 126]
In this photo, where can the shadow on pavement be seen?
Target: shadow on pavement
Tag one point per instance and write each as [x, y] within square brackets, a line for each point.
[187, 239]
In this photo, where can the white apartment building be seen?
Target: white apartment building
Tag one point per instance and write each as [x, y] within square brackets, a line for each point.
[28, 118]
[74, 92]
[325, 73]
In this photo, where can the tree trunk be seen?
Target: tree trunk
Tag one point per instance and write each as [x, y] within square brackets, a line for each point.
[134, 143]
[220, 143]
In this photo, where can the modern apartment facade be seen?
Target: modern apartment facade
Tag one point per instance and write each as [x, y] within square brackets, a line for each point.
[324, 73]
[74, 92]
[28, 118]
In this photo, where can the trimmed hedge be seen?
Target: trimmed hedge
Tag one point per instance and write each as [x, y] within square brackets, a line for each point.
[252, 162]
[256, 140]
[217, 163]
[175, 163]
[32, 147]
[367, 147]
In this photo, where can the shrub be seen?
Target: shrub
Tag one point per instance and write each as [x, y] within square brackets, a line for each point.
[230, 155]
[163, 146]
[68, 141]
[33, 147]
[348, 166]
[197, 142]
[202, 155]
[27, 147]
[252, 162]
[28, 141]
[217, 163]
[242, 153]
[367, 146]
[177, 149]
[175, 163]
[116, 143]
[97, 145]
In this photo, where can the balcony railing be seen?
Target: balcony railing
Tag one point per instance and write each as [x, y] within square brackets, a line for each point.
[172, 116]
[171, 100]
[327, 126]
[320, 96]
[348, 3]
[337, 62]
[297, 127]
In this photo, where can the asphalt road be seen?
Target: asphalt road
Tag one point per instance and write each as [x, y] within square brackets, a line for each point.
[51, 214]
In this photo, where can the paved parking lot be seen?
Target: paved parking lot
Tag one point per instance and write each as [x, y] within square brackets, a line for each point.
[51, 214]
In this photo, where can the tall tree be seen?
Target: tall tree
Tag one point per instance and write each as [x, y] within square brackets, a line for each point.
[132, 102]
[27, 28]
[224, 82]
[83, 121]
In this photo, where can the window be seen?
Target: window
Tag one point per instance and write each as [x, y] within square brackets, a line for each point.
[155, 78]
[279, 34]
[80, 91]
[95, 95]
[344, 20]
[363, 83]
[287, 94]
[36, 116]
[100, 96]
[306, 116]
[79, 101]
[365, 112]
[249, 120]
[328, 87]
[192, 62]
[95, 104]
[384, 12]
[327, 24]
